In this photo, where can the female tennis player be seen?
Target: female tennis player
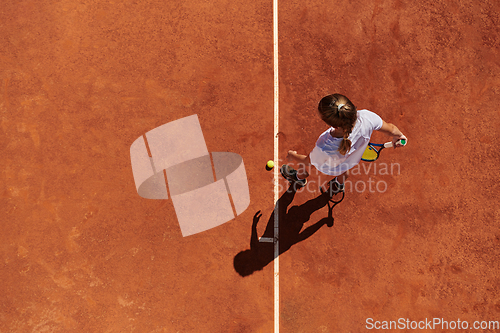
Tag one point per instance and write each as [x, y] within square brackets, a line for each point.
[339, 148]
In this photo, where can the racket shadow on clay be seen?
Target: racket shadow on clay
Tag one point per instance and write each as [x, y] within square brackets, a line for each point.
[291, 223]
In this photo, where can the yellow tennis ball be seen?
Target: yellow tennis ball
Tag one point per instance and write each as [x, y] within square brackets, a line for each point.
[270, 164]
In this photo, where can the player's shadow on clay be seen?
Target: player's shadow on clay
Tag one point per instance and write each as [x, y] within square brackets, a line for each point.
[290, 224]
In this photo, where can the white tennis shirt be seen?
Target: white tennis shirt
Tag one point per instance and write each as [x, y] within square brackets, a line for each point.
[325, 155]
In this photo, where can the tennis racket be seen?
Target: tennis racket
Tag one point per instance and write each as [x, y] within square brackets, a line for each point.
[372, 151]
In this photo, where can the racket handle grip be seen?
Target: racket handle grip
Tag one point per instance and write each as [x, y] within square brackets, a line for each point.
[389, 144]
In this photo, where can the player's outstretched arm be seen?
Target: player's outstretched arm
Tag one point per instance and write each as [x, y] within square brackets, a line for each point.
[294, 156]
[392, 130]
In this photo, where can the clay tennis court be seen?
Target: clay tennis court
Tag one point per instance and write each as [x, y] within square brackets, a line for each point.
[81, 251]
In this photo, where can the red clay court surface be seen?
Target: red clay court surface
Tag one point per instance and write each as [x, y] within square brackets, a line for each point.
[81, 80]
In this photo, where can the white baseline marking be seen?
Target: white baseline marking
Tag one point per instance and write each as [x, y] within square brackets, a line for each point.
[276, 175]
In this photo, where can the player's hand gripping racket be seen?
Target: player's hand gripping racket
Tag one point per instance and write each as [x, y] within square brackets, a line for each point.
[372, 152]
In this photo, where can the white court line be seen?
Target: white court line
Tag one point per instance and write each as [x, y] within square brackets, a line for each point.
[276, 175]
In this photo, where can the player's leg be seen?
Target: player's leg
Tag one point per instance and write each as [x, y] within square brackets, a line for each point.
[336, 185]
[298, 175]
[343, 177]
[304, 164]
